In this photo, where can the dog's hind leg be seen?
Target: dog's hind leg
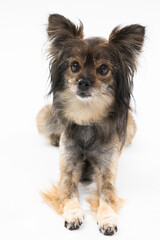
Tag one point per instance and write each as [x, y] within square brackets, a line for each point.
[131, 130]
[48, 124]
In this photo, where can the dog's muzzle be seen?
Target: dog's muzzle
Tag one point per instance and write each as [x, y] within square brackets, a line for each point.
[83, 88]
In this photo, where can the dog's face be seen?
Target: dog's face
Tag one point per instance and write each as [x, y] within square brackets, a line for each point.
[89, 69]
[94, 70]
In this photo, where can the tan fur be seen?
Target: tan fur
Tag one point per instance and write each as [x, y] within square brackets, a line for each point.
[42, 118]
[69, 208]
[85, 111]
[72, 211]
[72, 77]
[52, 199]
[64, 197]
[54, 139]
[47, 126]
[108, 179]
[52, 196]
[131, 130]
[104, 203]
[106, 216]
[108, 204]
[65, 170]
[93, 201]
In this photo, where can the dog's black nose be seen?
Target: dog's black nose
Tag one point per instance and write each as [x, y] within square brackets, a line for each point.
[83, 84]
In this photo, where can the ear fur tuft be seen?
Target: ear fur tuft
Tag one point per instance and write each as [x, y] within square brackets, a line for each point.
[61, 29]
[131, 36]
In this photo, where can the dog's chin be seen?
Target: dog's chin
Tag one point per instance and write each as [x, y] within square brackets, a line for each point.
[84, 96]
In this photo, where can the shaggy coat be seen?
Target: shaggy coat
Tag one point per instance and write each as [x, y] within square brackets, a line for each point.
[90, 118]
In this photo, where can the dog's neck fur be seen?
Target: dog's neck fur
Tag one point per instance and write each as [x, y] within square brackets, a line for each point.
[82, 112]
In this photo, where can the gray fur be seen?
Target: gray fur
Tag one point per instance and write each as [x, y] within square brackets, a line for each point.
[86, 146]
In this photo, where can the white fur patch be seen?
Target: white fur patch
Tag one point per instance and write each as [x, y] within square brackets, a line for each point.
[72, 212]
[84, 98]
[106, 217]
[73, 215]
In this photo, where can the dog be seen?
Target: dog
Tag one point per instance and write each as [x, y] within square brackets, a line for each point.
[91, 117]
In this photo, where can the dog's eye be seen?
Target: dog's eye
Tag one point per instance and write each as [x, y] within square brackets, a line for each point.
[75, 67]
[103, 69]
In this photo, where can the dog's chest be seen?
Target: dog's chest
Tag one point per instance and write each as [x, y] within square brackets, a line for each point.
[84, 136]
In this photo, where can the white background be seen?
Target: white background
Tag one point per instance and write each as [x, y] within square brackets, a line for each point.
[29, 164]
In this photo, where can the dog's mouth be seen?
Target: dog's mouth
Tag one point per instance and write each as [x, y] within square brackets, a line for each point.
[83, 95]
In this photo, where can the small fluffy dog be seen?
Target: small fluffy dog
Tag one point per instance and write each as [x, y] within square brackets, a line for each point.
[90, 118]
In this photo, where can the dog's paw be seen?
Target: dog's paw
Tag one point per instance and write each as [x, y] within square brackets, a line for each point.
[107, 221]
[73, 219]
[107, 230]
[73, 225]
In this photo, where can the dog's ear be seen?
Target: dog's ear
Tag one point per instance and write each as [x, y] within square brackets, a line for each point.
[60, 30]
[129, 41]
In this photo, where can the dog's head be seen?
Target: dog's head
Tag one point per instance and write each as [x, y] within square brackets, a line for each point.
[94, 72]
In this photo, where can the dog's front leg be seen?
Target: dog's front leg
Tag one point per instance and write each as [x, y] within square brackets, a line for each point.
[105, 176]
[70, 172]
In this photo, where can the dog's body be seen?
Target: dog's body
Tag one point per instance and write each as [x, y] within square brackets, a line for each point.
[91, 82]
